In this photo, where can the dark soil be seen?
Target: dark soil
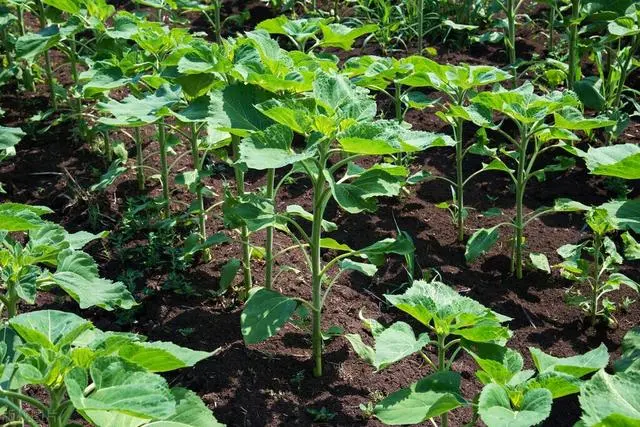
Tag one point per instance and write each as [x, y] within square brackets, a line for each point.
[271, 384]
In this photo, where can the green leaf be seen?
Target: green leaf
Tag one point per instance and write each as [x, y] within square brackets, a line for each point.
[395, 343]
[9, 137]
[622, 161]
[434, 395]
[625, 214]
[265, 312]
[438, 303]
[123, 394]
[49, 328]
[297, 210]
[77, 274]
[29, 46]
[70, 6]
[630, 349]
[132, 111]
[343, 37]
[540, 262]
[571, 118]
[270, 149]
[367, 269]
[161, 356]
[589, 92]
[18, 217]
[577, 366]
[631, 247]
[234, 109]
[190, 411]
[496, 410]
[480, 242]
[389, 137]
[615, 396]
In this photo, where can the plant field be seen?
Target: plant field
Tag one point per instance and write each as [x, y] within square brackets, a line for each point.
[318, 212]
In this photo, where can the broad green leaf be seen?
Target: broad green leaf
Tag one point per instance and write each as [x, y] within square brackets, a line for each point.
[480, 242]
[434, 395]
[343, 37]
[389, 137]
[361, 267]
[571, 118]
[161, 356]
[631, 247]
[9, 137]
[590, 93]
[630, 349]
[395, 343]
[625, 214]
[190, 411]
[559, 384]
[297, 210]
[49, 328]
[540, 261]
[124, 394]
[606, 395]
[234, 109]
[18, 217]
[577, 366]
[265, 312]
[437, 302]
[82, 238]
[132, 111]
[250, 210]
[70, 6]
[29, 46]
[77, 274]
[329, 243]
[622, 161]
[495, 409]
[270, 149]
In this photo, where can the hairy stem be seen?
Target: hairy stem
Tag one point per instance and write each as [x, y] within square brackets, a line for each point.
[164, 167]
[244, 231]
[268, 275]
[139, 158]
[202, 215]
[574, 66]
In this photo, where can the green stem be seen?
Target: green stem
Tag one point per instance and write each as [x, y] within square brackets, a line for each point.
[244, 231]
[597, 256]
[164, 167]
[54, 413]
[319, 204]
[139, 158]
[442, 361]
[420, 26]
[202, 216]
[218, 29]
[397, 98]
[624, 72]
[459, 178]
[574, 66]
[77, 101]
[47, 58]
[316, 272]
[521, 182]
[268, 275]
[108, 149]
[552, 24]
[27, 75]
[12, 300]
[511, 36]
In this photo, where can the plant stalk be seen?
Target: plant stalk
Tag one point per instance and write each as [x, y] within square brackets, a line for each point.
[420, 26]
[521, 183]
[202, 216]
[164, 167]
[139, 158]
[459, 178]
[442, 360]
[218, 29]
[47, 58]
[511, 36]
[574, 66]
[268, 275]
[244, 231]
[316, 273]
